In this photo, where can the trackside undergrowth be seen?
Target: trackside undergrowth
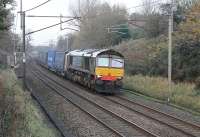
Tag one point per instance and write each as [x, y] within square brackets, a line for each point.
[20, 115]
[182, 94]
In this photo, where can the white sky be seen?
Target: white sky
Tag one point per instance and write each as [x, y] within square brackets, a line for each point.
[55, 7]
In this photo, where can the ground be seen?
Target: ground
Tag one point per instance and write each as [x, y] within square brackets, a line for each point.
[20, 115]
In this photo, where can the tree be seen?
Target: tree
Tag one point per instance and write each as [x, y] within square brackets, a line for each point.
[148, 7]
[136, 27]
[182, 7]
[5, 15]
[186, 49]
[95, 21]
[155, 22]
[190, 27]
[6, 42]
[155, 25]
[61, 43]
[65, 43]
[6, 18]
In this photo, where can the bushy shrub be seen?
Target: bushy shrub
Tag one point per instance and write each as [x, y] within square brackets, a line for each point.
[139, 54]
[183, 94]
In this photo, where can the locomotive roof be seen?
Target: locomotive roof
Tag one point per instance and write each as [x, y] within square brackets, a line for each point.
[93, 52]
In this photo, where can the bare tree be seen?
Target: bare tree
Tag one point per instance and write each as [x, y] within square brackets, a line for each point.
[65, 42]
[148, 7]
[156, 23]
[96, 18]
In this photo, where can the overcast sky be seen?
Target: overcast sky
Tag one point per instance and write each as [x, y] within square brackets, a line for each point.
[55, 7]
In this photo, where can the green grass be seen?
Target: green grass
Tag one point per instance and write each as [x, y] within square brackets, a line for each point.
[28, 119]
[182, 94]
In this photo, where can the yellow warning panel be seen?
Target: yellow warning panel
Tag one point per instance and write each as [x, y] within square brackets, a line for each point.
[105, 71]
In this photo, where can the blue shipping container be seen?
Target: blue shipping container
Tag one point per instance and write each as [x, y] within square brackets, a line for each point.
[43, 58]
[59, 61]
[51, 59]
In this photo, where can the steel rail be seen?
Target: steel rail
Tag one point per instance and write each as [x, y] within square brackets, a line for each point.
[78, 106]
[161, 112]
[148, 116]
[103, 108]
[158, 112]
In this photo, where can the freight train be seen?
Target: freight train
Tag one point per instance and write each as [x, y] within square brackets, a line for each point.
[101, 70]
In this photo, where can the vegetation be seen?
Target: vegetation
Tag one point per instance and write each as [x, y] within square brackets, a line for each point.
[20, 115]
[96, 19]
[145, 46]
[6, 22]
[183, 94]
[147, 62]
[185, 50]
[4, 14]
[65, 43]
[149, 56]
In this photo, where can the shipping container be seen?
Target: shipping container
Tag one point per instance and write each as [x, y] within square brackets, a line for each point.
[51, 59]
[59, 62]
[43, 58]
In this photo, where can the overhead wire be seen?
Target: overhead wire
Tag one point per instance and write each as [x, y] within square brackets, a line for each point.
[51, 27]
[152, 3]
[38, 6]
[155, 4]
[47, 16]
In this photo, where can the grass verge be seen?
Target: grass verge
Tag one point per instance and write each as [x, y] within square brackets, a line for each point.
[20, 115]
[183, 94]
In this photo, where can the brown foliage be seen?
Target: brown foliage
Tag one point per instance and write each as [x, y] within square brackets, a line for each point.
[96, 18]
[191, 27]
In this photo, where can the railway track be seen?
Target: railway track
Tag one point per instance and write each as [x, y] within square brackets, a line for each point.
[49, 116]
[188, 129]
[176, 118]
[120, 126]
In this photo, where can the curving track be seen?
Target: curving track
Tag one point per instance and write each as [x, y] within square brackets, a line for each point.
[188, 128]
[120, 125]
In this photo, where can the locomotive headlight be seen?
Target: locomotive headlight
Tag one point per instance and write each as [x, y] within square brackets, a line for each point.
[99, 76]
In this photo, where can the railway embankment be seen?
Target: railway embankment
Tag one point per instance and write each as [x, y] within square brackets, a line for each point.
[183, 95]
[70, 119]
[146, 71]
[20, 115]
[143, 116]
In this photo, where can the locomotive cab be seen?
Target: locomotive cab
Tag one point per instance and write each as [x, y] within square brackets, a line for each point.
[109, 72]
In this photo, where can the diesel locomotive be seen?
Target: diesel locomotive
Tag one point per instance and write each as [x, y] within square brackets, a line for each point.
[101, 70]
